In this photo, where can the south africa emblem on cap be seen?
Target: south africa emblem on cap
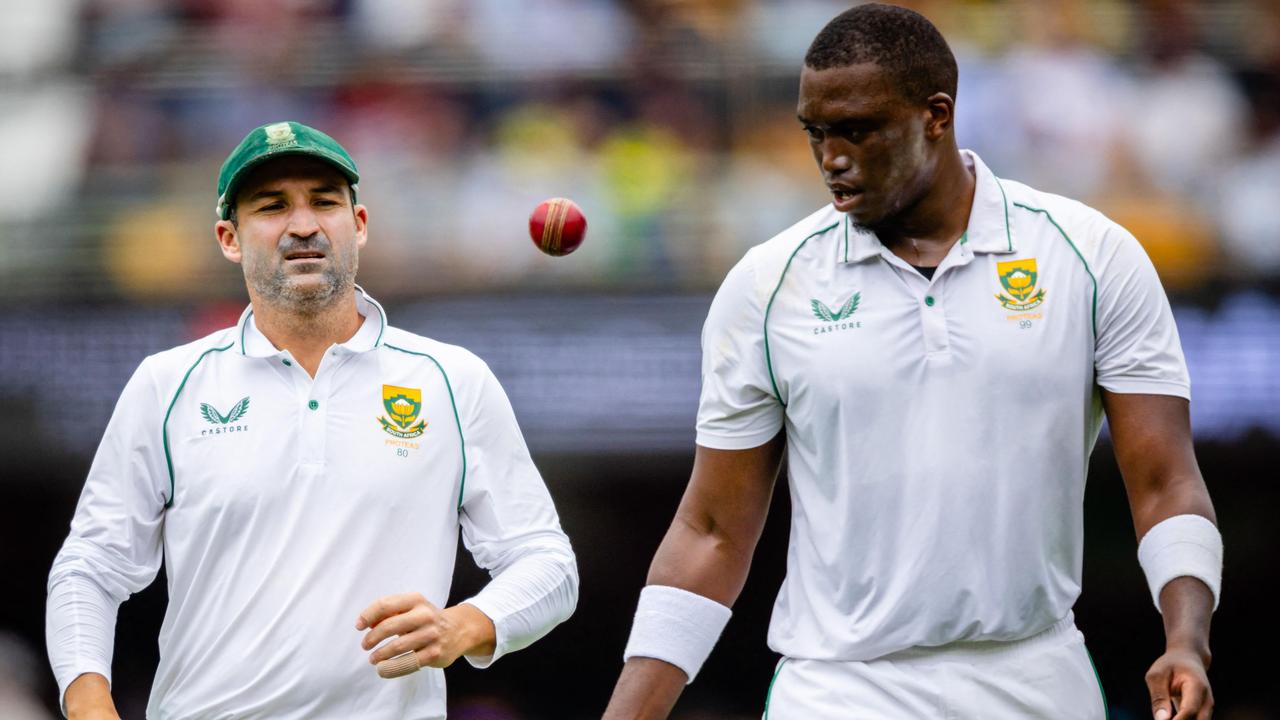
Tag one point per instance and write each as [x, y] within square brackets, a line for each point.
[403, 406]
[280, 135]
[1018, 278]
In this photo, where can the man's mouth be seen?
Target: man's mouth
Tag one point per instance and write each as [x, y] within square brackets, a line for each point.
[845, 196]
[304, 255]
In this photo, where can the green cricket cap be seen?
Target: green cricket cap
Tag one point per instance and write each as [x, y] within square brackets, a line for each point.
[274, 140]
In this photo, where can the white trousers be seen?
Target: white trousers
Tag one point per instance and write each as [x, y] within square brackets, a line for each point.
[1048, 675]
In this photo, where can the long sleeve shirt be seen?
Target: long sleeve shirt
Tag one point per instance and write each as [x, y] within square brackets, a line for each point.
[282, 505]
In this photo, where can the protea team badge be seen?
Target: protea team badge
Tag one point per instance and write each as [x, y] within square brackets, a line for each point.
[403, 405]
[1018, 277]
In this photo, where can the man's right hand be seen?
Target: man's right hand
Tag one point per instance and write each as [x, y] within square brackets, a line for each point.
[89, 698]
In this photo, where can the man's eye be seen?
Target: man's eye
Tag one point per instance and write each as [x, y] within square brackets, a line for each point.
[271, 207]
[813, 132]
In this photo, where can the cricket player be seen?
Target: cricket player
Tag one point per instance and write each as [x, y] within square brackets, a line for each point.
[304, 476]
[934, 352]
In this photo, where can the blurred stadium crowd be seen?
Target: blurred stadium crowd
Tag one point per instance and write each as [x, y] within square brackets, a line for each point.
[670, 121]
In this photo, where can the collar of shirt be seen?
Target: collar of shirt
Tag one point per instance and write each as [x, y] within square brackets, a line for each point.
[990, 228]
[253, 343]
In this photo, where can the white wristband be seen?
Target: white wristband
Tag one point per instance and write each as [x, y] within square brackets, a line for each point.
[1182, 546]
[676, 626]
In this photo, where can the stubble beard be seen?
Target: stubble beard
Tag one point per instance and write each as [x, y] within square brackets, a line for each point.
[275, 286]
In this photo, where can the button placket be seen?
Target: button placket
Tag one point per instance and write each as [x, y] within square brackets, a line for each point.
[314, 417]
[933, 321]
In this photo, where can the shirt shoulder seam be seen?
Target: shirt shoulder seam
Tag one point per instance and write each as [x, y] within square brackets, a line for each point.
[768, 358]
[164, 426]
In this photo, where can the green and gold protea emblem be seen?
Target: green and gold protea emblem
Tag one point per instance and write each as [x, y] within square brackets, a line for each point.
[1018, 278]
[826, 314]
[403, 406]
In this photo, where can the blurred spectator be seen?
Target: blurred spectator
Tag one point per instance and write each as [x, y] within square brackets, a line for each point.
[1062, 115]
[37, 36]
[1250, 224]
[18, 676]
[548, 37]
[668, 121]
[44, 134]
[394, 24]
[1183, 115]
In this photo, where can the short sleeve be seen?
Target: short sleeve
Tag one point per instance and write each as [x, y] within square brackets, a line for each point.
[738, 408]
[1137, 348]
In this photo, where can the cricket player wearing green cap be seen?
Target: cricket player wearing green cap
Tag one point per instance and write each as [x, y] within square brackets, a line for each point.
[304, 475]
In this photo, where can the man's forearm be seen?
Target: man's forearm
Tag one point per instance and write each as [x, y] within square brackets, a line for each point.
[527, 599]
[706, 551]
[80, 623]
[691, 560]
[1187, 605]
[646, 690]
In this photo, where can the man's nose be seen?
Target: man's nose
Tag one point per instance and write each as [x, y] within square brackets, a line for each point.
[303, 223]
[835, 157]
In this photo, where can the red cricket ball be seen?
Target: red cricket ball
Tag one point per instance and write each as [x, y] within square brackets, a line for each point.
[557, 226]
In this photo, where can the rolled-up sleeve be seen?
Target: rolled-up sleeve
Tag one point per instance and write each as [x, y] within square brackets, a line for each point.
[114, 547]
[510, 526]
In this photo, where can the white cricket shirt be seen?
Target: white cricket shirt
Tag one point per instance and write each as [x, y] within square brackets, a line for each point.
[283, 505]
[938, 432]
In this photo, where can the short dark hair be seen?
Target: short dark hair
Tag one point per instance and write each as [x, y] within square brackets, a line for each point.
[901, 41]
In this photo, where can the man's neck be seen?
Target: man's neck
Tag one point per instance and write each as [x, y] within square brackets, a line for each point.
[308, 335]
[926, 232]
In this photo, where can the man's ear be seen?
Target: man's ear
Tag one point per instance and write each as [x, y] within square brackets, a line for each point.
[362, 225]
[228, 240]
[942, 109]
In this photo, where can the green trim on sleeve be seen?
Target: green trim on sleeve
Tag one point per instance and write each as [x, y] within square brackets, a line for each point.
[164, 427]
[462, 484]
[768, 696]
[768, 359]
[1078, 254]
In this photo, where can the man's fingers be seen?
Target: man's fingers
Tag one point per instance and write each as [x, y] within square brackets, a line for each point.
[1190, 700]
[1206, 710]
[1158, 685]
[401, 624]
[399, 666]
[387, 606]
[416, 640]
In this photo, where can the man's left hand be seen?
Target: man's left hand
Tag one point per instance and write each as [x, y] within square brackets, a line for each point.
[1180, 679]
[438, 637]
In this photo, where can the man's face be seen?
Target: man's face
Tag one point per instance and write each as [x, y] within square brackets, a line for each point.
[869, 141]
[298, 236]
